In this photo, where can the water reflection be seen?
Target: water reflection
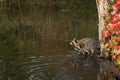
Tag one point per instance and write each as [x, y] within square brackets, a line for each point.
[34, 39]
[69, 66]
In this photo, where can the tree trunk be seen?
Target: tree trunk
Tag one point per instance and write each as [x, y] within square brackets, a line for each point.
[102, 12]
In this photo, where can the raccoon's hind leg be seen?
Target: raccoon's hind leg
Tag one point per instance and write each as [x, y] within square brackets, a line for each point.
[86, 54]
[92, 52]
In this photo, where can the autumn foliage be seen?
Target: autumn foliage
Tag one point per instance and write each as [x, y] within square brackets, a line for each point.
[112, 32]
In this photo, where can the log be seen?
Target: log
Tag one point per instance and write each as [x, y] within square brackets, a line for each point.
[111, 69]
[108, 66]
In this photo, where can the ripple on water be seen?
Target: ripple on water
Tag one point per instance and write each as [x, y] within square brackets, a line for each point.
[55, 67]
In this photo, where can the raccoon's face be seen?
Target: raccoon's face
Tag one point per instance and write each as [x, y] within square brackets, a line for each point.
[76, 44]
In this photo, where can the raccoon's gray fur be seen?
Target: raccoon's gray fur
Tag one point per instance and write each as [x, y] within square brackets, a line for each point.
[85, 45]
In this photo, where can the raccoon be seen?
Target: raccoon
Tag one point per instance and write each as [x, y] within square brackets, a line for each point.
[86, 45]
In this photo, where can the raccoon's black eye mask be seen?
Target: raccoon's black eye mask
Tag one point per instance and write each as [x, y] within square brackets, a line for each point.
[76, 41]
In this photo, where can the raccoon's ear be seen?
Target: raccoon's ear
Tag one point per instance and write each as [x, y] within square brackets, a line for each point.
[74, 39]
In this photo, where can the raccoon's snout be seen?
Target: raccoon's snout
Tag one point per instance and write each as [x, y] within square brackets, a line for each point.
[71, 43]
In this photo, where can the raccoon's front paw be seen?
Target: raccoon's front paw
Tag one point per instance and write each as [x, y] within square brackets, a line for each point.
[76, 49]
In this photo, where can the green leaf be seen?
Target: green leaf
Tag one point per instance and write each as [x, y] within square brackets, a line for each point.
[117, 62]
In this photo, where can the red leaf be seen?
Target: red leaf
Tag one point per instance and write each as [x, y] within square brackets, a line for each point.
[117, 16]
[110, 27]
[106, 34]
[117, 47]
[114, 20]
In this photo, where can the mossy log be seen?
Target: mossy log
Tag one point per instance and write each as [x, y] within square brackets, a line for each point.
[108, 71]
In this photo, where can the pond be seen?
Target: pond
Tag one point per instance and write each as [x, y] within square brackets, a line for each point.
[62, 63]
[35, 36]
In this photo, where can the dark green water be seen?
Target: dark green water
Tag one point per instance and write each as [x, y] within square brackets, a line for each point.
[35, 36]
[57, 62]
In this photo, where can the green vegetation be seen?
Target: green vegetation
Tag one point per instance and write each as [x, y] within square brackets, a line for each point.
[25, 23]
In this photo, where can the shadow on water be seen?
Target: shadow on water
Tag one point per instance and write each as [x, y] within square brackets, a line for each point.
[35, 36]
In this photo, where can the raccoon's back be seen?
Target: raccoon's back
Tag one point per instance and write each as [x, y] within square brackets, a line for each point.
[90, 43]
